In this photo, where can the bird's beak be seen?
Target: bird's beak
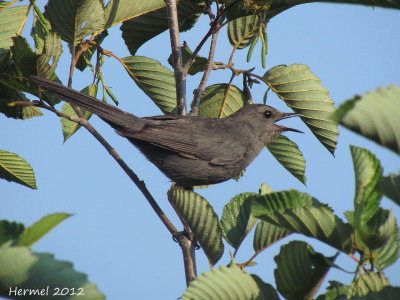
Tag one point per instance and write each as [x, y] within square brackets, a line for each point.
[290, 115]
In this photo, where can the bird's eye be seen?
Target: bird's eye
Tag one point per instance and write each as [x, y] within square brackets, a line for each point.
[268, 114]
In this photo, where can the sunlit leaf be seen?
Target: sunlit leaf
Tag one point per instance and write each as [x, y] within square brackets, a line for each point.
[267, 234]
[142, 28]
[35, 232]
[228, 283]
[299, 212]
[75, 20]
[15, 168]
[375, 115]
[304, 93]
[155, 80]
[368, 282]
[220, 100]
[389, 252]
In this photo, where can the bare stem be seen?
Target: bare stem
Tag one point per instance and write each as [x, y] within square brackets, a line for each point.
[210, 65]
[180, 75]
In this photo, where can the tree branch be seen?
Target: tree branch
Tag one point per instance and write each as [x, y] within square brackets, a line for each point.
[180, 75]
[139, 183]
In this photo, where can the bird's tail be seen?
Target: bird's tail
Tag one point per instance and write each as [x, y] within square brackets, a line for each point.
[109, 113]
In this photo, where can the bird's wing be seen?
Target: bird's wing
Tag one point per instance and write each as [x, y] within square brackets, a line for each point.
[187, 138]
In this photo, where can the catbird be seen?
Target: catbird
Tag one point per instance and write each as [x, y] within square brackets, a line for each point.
[190, 150]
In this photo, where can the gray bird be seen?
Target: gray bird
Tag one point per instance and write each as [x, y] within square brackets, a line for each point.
[189, 150]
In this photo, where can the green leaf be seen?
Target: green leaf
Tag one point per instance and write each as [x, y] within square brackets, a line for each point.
[390, 187]
[389, 252]
[220, 100]
[287, 153]
[12, 22]
[267, 234]
[387, 293]
[47, 62]
[69, 127]
[74, 20]
[335, 291]
[299, 212]
[264, 189]
[300, 270]
[368, 282]
[23, 269]
[236, 221]
[378, 230]
[10, 231]
[202, 220]
[375, 115]
[24, 58]
[14, 168]
[35, 232]
[142, 28]
[118, 11]
[368, 173]
[243, 31]
[155, 80]
[226, 283]
[303, 92]
[16, 111]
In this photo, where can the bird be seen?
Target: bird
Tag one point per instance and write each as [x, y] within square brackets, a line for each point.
[189, 150]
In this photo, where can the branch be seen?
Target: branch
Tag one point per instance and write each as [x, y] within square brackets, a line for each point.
[139, 183]
[180, 75]
[210, 65]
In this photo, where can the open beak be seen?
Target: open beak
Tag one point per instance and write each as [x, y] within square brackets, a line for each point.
[289, 115]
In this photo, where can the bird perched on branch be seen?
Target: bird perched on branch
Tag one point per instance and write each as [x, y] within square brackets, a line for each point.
[190, 150]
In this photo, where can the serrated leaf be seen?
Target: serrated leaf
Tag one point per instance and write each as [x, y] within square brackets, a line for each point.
[267, 234]
[12, 22]
[155, 80]
[47, 61]
[375, 115]
[74, 20]
[390, 187]
[299, 212]
[23, 57]
[236, 221]
[368, 171]
[303, 92]
[10, 231]
[35, 232]
[202, 220]
[389, 253]
[23, 269]
[224, 283]
[368, 282]
[142, 28]
[287, 153]
[242, 31]
[220, 100]
[300, 270]
[69, 127]
[15, 168]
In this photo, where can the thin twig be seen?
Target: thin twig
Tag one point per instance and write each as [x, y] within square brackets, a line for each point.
[180, 75]
[210, 65]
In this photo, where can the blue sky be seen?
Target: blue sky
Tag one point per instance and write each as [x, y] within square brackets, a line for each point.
[114, 236]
